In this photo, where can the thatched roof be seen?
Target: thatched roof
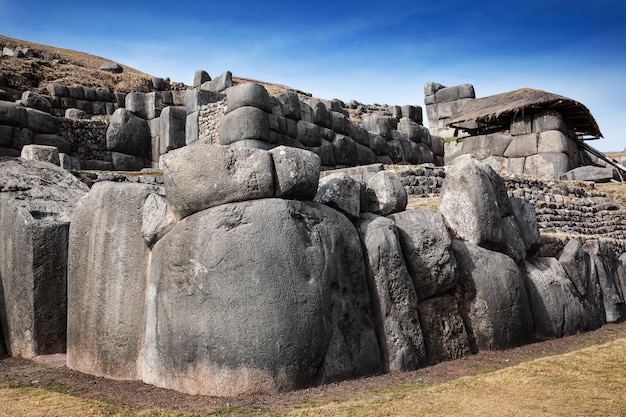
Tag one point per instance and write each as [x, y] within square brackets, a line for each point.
[500, 109]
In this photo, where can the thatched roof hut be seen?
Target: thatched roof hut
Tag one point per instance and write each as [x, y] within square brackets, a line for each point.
[497, 111]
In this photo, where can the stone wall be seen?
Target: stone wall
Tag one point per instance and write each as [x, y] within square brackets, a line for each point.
[572, 208]
[538, 143]
[247, 263]
[245, 115]
[540, 146]
[441, 103]
[86, 137]
[567, 208]
[92, 101]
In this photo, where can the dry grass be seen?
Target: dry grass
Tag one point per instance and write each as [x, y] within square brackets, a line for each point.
[81, 68]
[38, 402]
[587, 382]
[617, 190]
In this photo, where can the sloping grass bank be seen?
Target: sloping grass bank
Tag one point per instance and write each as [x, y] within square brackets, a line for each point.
[587, 382]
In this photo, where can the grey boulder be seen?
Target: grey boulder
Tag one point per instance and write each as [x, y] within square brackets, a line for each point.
[203, 176]
[394, 298]
[385, 193]
[557, 308]
[128, 133]
[604, 267]
[37, 200]
[340, 192]
[498, 312]
[297, 173]
[248, 94]
[41, 153]
[445, 335]
[258, 297]
[36, 101]
[475, 203]
[425, 244]
[219, 84]
[107, 276]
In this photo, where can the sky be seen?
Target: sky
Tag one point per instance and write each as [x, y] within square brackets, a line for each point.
[370, 51]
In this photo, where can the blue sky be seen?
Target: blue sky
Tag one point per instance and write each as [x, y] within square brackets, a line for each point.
[373, 52]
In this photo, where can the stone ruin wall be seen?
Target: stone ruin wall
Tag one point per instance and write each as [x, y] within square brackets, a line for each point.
[540, 145]
[563, 208]
[322, 127]
[344, 241]
[197, 272]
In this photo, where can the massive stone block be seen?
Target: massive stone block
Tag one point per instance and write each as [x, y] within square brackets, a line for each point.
[172, 129]
[385, 193]
[445, 335]
[308, 133]
[244, 123]
[604, 267]
[12, 114]
[248, 94]
[378, 144]
[202, 176]
[364, 155]
[522, 145]
[41, 153]
[378, 125]
[258, 297]
[475, 203]
[498, 312]
[290, 104]
[200, 77]
[36, 204]
[426, 247]
[145, 105]
[413, 131]
[589, 173]
[39, 121]
[36, 101]
[548, 120]
[319, 113]
[454, 93]
[483, 146]
[341, 192]
[394, 301]
[547, 165]
[358, 133]
[526, 220]
[123, 162]
[557, 308]
[555, 141]
[297, 173]
[107, 278]
[219, 84]
[344, 150]
[128, 133]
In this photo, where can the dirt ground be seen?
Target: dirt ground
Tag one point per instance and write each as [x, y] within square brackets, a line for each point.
[50, 371]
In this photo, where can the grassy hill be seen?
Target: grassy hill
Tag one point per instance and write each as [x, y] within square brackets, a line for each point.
[67, 67]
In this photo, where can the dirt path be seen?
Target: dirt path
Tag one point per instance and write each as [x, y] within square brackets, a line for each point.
[136, 395]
